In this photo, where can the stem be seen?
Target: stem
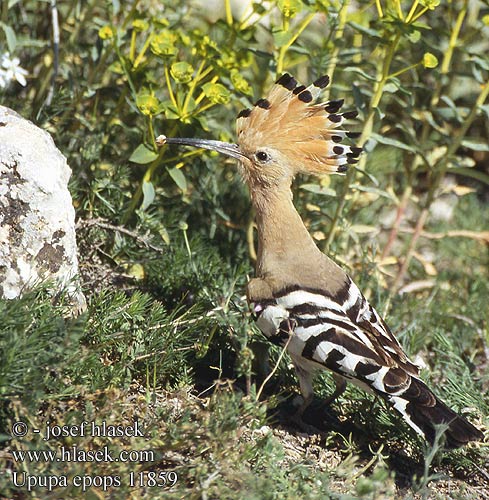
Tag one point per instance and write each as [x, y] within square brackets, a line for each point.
[80, 22]
[147, 178]
[342, 16]
[127, 74]
[419, 14]
[412, 11]
[130, 15]
[140, 56]
[401, 71]
[399, 9]
[229, 13]
[379, 8]
[192, 86]
[270, 375]
[202, 95]
[152, 132]
[132, 49]
[377, 457]
[284, 48]
[481, 99]
[440, 83]
[412, 247]
[243, 23]
[203, 108]
[401, 209]
[4, 12]
[170, 90]
[445, 67]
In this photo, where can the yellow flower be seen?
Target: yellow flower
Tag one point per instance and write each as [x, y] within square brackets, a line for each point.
[240, 84]
[106, 32]
[216, 93]
[163, 44]
[429, 60]
[182, 71]
[147, 103]
[140, 24]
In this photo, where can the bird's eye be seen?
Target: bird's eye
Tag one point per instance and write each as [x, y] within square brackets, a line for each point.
[262, 157]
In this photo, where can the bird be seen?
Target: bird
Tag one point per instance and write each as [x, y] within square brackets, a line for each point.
[302, 300]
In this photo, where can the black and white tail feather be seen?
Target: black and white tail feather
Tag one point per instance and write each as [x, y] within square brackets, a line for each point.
[346, 335]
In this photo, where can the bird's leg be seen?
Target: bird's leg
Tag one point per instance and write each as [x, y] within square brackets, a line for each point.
[339, 390]
[307, 392]
[305, 382]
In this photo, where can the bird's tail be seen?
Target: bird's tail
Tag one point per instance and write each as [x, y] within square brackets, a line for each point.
[423, 411]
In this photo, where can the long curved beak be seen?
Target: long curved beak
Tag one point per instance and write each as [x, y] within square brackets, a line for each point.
[226, 148]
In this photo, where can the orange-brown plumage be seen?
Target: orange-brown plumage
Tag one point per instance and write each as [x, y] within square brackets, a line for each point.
[289, 121]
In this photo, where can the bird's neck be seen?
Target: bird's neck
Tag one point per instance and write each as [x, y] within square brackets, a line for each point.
[284, 244]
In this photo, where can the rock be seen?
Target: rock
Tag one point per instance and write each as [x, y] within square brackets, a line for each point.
[37, 218]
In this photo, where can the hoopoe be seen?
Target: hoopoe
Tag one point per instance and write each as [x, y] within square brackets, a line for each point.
[300, 297]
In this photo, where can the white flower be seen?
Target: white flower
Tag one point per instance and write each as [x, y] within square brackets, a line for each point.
[3, 82]
[10, 70]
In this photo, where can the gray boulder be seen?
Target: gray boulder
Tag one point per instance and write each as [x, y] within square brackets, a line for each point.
[37, 218]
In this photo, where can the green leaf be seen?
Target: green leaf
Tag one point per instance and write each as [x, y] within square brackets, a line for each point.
[177, 175]
[282, 37]
[353, 69]
[171, 112]
[164, 234]
[366, 31]
[148, 194]
[485, 109]
[116, 7]
[258, 8]
[142, 155]
[480, 62]
[371, 189]
[392, 142]
[475, 145]
[414, 36]
[10, 36]
[471, 172]
[317, 189]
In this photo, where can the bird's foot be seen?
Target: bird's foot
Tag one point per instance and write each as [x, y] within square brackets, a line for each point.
[297, 421]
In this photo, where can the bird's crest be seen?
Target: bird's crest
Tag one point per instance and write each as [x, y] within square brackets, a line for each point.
[289, 120]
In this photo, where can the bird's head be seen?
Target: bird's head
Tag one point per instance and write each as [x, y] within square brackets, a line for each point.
[285, 134]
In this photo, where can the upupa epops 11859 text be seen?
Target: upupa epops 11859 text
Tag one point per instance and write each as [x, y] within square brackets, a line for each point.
[300, 297]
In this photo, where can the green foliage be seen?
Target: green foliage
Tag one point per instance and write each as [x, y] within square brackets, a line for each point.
[165, 238]
[34, 341]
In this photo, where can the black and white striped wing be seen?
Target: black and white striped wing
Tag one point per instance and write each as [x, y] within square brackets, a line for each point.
[346, 335]
[327, 329]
